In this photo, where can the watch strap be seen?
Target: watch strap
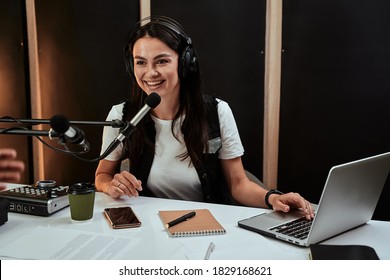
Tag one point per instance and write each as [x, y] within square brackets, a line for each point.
[266, 199]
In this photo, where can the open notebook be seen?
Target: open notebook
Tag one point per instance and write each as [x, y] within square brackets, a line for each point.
[204, 223]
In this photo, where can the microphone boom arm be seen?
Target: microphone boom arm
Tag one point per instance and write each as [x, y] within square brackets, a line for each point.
[113, 123]
[17, 131]
[62, 125]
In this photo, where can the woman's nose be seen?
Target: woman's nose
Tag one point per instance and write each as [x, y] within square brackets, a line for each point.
[151, 71]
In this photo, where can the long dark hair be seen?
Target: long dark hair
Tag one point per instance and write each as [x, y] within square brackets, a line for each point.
[191, 103]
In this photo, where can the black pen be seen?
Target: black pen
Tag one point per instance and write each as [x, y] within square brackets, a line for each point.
[180, 219]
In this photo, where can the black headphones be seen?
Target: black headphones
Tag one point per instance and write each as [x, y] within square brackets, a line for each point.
[188, 61]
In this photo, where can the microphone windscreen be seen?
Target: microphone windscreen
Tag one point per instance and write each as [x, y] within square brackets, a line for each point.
[152, 100]
[59, 123]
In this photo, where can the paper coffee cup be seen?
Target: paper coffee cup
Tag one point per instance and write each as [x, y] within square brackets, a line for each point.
[81, 201]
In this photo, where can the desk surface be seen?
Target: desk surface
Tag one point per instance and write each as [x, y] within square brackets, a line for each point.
[57, 237]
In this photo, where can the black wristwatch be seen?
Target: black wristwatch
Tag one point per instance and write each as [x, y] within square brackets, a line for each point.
[267, 197]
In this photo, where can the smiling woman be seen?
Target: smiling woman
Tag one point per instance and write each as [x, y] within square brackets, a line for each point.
[155, 69]
[188, 147]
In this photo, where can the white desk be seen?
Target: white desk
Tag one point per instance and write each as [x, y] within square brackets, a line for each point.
[57, 237]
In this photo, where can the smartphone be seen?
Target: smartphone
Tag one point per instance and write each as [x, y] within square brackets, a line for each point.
[122, 217]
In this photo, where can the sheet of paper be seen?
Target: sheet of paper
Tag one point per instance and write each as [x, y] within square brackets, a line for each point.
[68, 244]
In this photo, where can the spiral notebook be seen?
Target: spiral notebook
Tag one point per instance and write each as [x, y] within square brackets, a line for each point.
[204, 223]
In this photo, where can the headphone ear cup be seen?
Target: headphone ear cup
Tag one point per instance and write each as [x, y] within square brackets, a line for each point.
[188, 62]
[194, 64]
[184, 63]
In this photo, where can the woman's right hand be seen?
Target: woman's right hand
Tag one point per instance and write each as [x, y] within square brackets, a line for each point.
[124, 183]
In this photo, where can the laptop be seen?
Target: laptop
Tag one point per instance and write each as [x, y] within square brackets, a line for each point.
[348, 200]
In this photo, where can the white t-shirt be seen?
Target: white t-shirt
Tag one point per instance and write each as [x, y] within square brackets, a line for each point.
[170, 176]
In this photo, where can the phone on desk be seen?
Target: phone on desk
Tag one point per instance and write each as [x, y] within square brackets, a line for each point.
[122, 217]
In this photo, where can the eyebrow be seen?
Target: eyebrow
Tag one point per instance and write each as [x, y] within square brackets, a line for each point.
[156, 57]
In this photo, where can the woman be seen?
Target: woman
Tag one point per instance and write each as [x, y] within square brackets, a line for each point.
[173, 152]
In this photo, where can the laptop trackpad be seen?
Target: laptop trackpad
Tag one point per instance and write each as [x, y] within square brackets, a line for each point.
[275, 218]
[285, 217]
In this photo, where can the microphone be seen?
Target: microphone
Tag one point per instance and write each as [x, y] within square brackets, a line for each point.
[151, 102]
[60, 124]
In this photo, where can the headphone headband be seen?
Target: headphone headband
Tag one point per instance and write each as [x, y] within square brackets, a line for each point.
[170, 24]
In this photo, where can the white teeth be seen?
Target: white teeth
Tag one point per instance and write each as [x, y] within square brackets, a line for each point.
[154, 83]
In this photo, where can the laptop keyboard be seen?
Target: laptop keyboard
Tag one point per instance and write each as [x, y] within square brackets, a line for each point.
[298, 228]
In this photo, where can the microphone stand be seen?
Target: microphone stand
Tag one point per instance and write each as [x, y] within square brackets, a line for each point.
[17, 131]
[113, 123]
[53, 134]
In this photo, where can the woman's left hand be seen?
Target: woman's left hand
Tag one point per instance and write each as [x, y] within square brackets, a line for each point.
[285, 202]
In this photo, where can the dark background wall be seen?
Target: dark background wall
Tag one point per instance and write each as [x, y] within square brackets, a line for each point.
[82, 71]
[229, 41]
[335, 90]
[335, 93]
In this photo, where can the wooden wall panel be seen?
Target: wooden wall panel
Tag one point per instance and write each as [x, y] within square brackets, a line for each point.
[272, 77]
